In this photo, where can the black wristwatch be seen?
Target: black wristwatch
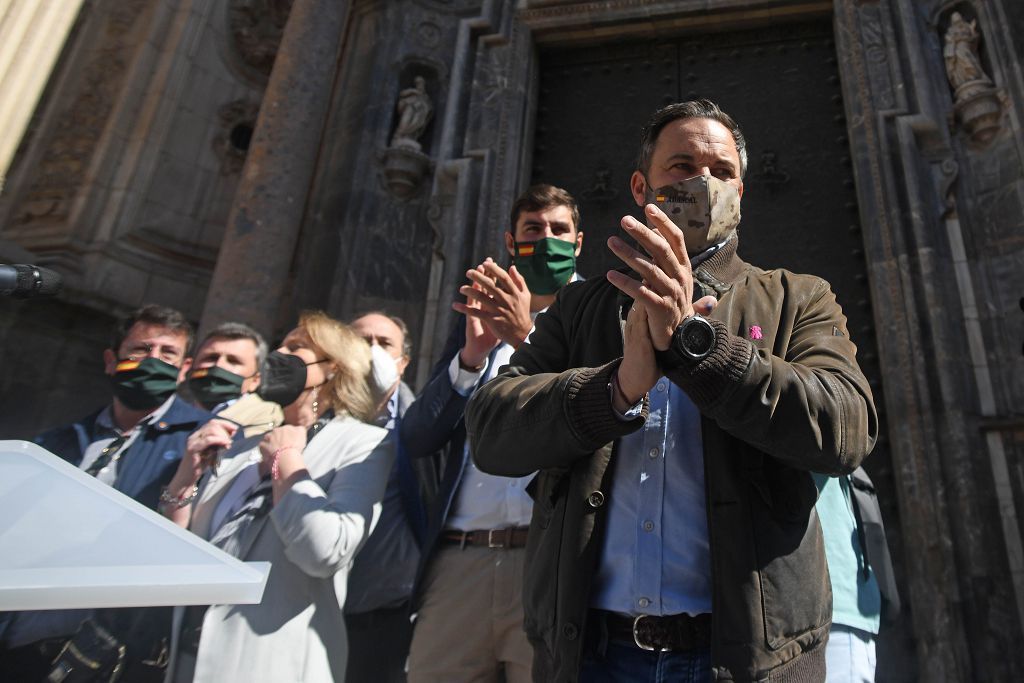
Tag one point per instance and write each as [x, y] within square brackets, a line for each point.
[692, 341]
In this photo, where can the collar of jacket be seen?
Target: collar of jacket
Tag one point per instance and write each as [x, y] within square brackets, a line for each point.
[180, 413]
[717, 274]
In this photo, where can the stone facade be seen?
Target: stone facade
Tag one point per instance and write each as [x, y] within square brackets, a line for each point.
[126, 182]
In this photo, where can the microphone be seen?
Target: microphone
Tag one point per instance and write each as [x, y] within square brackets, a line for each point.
[24, 282]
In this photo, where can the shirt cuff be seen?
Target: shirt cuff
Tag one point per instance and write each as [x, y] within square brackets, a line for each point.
[465, 381]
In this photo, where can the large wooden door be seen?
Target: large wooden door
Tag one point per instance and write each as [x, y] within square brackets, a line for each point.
[799, 206]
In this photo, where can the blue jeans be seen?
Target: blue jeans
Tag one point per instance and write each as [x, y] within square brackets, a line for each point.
[850, 655]
[621, 663]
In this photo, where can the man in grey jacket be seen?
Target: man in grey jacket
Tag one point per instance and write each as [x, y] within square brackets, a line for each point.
[675, 413]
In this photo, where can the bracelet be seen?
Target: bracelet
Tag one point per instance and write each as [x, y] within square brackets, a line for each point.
[470, 368]
[178, 501]
[275, 467]
[617, 390]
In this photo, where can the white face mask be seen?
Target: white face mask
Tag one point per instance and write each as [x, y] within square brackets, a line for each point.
[384, 370]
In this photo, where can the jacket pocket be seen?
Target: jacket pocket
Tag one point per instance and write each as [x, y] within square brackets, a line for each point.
[790, 554]
[543, 553]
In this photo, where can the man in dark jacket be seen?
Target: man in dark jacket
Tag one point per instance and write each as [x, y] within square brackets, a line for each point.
[673, 534]
[134, 445]
[381, 579]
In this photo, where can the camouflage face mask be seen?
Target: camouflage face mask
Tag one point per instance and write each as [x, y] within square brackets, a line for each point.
[705, 208]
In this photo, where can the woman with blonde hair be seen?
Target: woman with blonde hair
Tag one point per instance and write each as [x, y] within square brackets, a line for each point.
[305, 498]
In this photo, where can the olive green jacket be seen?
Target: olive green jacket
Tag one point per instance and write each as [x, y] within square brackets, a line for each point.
[780, 394]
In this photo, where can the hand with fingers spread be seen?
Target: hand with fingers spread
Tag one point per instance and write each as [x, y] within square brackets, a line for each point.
[500, 301]
[480, 341]
[667, 287]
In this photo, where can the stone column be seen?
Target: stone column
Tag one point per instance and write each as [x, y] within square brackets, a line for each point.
[32, 33]
[256, 253]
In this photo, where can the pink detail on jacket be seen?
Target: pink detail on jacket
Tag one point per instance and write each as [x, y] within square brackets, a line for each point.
[755, 332]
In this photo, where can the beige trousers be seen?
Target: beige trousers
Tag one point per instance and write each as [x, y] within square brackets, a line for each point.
[469, 628]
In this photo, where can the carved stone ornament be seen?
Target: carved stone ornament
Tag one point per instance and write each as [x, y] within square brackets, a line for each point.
[772, 174]
[975, 99]
[404, 170]
[256, 28]
[601, 190]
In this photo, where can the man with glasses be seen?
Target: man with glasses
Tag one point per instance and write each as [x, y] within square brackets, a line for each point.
[133, 444]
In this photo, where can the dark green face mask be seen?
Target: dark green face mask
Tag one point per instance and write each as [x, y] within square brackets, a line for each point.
[144, 384]
[546, 264]
[213, 386]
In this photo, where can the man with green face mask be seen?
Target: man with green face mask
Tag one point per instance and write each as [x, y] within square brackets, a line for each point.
[468, 587]
[133, 444]
[226, 365]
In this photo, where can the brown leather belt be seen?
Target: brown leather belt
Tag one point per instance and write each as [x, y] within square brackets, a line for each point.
[512, 537]
[678, 632]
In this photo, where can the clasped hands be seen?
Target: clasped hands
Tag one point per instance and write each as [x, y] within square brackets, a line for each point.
[661, 300]
[497, 309]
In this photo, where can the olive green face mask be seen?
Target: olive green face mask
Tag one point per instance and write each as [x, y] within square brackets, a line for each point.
[213, 386]
[144, 384]
[546, 264]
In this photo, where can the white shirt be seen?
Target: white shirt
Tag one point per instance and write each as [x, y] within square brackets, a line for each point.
[105, 420]
[483, 500]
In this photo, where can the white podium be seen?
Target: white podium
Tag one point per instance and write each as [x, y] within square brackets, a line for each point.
[68, 541]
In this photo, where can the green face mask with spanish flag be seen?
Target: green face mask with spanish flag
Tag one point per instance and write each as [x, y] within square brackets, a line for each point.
[546, 264]
[145, 383]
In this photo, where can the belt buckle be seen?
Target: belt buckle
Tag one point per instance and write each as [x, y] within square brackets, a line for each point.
[636, 637]
[491, 543]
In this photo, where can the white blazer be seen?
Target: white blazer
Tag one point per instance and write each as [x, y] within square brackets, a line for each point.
[310, 537]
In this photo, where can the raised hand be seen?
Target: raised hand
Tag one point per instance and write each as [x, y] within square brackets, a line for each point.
[503, 301]
[201, 449]
[638, 371]
[667, 287]
[480, 340]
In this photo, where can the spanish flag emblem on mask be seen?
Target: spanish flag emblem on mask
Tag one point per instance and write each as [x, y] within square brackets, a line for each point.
[127, 364]
[524, 249]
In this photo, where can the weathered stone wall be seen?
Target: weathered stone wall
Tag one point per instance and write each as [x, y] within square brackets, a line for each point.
[126, 177]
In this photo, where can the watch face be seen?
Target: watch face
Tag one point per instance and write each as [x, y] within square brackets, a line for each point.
[697, 337]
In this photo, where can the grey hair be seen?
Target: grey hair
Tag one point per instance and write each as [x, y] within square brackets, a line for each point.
[238, 331]
[399, 323]
[693, 109]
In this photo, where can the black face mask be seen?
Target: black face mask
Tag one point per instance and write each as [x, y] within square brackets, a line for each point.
[283, 378]
[144, 384]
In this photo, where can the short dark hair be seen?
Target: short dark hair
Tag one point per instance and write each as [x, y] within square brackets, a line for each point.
[399, 323]
[544, 196]
[152, 314]
[237, 331]
[693, 109]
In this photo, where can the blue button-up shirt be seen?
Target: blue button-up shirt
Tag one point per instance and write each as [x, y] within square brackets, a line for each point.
[656, 558]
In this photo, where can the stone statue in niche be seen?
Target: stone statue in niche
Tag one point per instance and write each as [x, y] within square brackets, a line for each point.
[961, 52]
[414, 110]
[975, 99]
[405, 165]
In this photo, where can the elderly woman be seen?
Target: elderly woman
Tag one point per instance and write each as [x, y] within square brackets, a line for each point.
[304, 498]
